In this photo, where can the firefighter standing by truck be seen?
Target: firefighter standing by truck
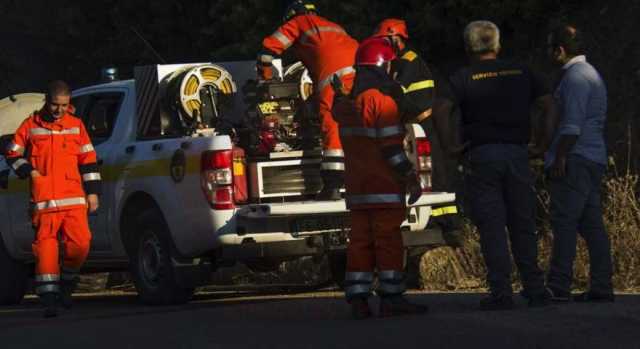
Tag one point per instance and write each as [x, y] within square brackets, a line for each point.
[378, 174]
[419, 87]
[326, 50]
[52, 148]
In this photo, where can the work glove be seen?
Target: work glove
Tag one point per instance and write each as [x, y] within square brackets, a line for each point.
[342, 102]
[414, 189]
[338, 86]
[265, 71]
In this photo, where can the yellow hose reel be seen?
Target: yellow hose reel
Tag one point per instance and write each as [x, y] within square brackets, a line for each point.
[196, 78]
[298, 72]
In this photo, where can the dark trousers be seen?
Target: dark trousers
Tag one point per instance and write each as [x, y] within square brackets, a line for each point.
[501, 198]
[576, 208]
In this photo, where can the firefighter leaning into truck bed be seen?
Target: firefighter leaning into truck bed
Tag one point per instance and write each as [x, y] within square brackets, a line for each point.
[378, 174]
[326, 50]
[419, 87]
[52, 148]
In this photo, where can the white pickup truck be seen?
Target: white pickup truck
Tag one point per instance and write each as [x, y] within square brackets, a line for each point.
[198, 174]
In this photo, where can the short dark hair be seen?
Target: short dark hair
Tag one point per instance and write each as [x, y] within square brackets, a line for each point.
[58, 88]
[569, 37]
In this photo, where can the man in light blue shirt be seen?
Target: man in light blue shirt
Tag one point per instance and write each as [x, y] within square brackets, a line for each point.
[575, 164]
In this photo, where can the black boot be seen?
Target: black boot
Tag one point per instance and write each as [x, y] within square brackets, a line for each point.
[66, 290]
[329, 195]
[360, 308]
[496, 302]
[50, 302]
[594, 297]
[398, 305]
[332, 182]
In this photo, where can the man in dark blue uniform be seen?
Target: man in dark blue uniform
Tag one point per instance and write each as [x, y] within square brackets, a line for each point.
[495, 98]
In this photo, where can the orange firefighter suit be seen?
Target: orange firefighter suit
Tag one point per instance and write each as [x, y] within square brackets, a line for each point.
[325, 49]
[372, 135]
[60, 150]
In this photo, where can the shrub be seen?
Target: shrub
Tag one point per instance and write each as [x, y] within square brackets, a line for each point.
[447, 269]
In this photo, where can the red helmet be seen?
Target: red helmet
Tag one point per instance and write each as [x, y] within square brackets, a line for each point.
[392, 26]
[375, 51]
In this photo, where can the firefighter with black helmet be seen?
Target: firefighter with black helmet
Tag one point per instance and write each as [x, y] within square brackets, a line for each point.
[326, 50]
[419, 96]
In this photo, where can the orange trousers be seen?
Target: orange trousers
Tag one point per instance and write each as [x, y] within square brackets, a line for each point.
[331, 137]
[375, 240]
[73, 224]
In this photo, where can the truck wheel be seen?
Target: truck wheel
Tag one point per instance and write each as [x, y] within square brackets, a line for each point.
[338, 267]
[14, 278]
[153, 274]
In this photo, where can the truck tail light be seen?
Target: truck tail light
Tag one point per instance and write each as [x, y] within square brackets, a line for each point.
[240, 192]
[423, 151]
[217, 178]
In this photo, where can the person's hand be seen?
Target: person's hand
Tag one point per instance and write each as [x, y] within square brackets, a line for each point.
[338, 86]
[264, 72]
[35, 173]
[413, 188]
[93, 202]
[559, 167]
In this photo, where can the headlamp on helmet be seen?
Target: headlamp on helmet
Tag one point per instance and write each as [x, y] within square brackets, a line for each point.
[299, 7]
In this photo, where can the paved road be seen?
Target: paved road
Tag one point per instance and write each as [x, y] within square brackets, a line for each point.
[317, 320]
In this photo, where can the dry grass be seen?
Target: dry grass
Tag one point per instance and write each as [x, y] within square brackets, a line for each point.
[622, 219]
[446, 269]
[303, 271]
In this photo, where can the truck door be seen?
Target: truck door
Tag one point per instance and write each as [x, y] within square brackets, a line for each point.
[99, 112]
[14, 192]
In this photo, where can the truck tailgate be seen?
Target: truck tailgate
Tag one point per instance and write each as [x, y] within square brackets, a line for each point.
[434, 198]
[323, 207]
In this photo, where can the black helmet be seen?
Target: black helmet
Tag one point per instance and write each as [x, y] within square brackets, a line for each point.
[299, 7]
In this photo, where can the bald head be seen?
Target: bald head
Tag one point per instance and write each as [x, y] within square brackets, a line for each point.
[58, 98]
[58, 88]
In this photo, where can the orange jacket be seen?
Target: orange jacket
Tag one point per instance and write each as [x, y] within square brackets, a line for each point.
[323, 47]
[62, 153]
[372, 136]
